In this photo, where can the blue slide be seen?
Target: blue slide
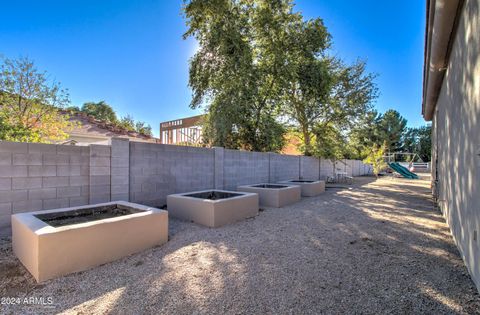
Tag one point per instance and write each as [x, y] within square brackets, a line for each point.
[402, 170]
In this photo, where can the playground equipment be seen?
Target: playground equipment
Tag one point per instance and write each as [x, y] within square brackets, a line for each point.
[403, 171]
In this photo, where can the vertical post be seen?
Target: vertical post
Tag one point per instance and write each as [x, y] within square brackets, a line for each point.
[219, 156]
[300, 177]
[270, 166]
[120, 169]
[319, 168]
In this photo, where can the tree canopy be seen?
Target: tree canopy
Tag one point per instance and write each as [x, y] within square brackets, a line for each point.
[29, 104]
[100, 110]
[261, 66]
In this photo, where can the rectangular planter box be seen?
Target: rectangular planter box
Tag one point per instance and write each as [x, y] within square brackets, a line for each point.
[53, 243]
[274, 195]
[310, 188]
[213, 208]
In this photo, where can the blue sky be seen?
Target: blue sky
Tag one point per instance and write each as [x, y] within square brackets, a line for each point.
[131, 53]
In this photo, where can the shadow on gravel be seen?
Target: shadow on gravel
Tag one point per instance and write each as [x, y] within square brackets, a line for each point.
[380, 247]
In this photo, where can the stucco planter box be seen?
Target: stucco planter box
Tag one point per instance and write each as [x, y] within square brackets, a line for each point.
[213, 208]
[310, 188]
[274, 195]
[53, 243]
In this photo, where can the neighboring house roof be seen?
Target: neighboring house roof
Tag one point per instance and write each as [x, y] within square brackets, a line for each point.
[442, 21]
[94, 128]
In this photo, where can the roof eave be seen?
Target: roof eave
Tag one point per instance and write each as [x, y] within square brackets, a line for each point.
[442, 21]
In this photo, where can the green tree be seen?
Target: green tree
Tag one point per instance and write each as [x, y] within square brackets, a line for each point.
[127, 123]
[30, 103]
[239, 73]
[100, 110]
[363, 135]
[330, 143]
[376, 158]
[418, 140]
[143, 128]
[259, 64]
[390, 129]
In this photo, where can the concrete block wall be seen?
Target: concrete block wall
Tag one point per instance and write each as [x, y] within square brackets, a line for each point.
[37, 176]
[309, 168]
[157, 170]
[349, 167]
[284, 167]
[326, 168]
[120, 169]
[243, 168]
[46, 176]
[99, 179]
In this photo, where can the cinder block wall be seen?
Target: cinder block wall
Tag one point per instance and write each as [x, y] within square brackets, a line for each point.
[309, 168]
[157, 170]
[243, 168]
[284, 167]
[41, 176]
[45, 176]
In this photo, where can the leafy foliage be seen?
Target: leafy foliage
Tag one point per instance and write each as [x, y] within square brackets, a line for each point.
[29, 104]
[376, 158]
[390, 128]
[127, 123]
[101, 111]
[260, 65]
[239, 73]
[143, 128]
[104, 112]
[418, 140]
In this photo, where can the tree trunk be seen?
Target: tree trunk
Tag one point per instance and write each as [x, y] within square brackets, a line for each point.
[307, 141]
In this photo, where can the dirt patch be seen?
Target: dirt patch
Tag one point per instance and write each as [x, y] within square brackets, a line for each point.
[16, 281]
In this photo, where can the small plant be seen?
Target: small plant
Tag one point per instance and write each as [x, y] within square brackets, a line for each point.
[376, 158]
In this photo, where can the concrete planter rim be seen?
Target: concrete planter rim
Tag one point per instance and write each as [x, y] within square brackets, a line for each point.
[288, 186]
[42, 228]
[241, 193]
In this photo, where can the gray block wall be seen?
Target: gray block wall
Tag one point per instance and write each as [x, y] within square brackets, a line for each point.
[309, 168]
[100, 171]
[326, 168]
[120, 169]
[157, 170]
[37, 176]
[284, 167]
[46, 176]
[243, 168]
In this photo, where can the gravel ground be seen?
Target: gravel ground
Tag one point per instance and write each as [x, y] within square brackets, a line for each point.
[378, 247]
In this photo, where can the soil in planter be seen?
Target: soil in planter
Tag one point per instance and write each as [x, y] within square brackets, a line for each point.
[213, 195]
[63, 218]
[270, 186]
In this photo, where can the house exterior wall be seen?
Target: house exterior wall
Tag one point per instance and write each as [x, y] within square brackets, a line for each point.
[181, 131]
[456, 140]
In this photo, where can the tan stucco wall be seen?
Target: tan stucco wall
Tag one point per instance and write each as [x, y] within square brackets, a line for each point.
[456, 139]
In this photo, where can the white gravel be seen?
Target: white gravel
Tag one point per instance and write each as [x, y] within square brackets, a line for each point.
[379, 247]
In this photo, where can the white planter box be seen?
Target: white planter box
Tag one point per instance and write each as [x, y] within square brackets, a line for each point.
[310, 188]
[274, 195]
[48, 251]
[226, 207]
